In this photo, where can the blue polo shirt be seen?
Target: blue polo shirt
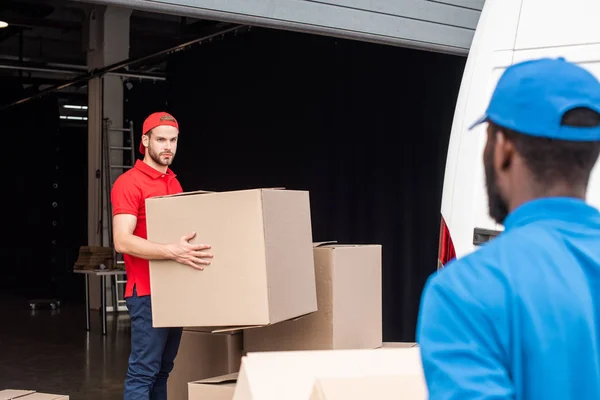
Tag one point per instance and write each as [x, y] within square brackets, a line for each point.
[520, 317]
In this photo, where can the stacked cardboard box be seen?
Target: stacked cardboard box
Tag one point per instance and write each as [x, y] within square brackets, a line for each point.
[268, 284]
[216, 388]
[349, 315]
[94, 257]
[203, 355]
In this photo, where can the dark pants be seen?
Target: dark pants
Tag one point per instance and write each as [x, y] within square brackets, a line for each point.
[153, 351]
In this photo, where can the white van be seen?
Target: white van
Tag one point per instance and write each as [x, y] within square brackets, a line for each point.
[509, 31]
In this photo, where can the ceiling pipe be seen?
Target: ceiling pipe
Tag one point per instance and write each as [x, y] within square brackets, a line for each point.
[113, 68]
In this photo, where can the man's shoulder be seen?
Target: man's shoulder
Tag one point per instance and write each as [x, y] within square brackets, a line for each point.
[128, 180]
[509, 243]
[493, 261]
[176, 180]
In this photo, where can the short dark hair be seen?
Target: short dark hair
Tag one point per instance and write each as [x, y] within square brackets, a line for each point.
[551, 159]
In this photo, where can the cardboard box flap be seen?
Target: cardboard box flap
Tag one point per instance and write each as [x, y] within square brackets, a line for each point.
[224, 329]
[333, 244]
[10, 394]
[319, 244]
[204, 192]
[238, 329]
[180, 194]
[232, 329]
[217, 380]
[399, 345]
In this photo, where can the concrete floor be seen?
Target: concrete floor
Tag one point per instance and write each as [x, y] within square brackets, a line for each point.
[51, 351]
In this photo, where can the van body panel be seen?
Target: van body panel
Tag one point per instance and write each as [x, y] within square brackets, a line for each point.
[464, 200]
[508, 32]
[550, 23]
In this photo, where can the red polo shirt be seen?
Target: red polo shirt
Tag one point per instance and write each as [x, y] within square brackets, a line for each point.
[128, 196]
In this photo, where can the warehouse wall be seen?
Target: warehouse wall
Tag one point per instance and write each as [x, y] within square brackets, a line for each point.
[363, 127]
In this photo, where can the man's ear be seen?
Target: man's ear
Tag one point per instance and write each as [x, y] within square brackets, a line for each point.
[504, 152]
[145, 140]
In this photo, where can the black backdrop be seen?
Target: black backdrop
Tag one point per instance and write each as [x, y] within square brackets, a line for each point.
[43, 200]
[363, 127]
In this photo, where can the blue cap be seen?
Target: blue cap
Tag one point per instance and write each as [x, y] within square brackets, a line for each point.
[531, 97]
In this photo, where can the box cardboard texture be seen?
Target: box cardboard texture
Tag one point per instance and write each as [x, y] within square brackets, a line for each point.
[217, 388]
[349, 301]
[291, 375]
[203, 355]
[262, 271]
[380, 387]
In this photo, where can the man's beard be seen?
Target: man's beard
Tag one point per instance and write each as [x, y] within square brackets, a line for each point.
[156, 158]
[498, 209]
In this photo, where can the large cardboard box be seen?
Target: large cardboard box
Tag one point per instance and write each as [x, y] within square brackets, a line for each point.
[217, 388]
[12, 394]
[380, 387]
[291, 375]
[349, 301]
[203, 355]
[262, 271]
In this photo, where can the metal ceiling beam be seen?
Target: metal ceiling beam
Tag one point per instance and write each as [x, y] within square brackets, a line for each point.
[114, 68]
[42, 23]
[37, 81]
[15, 66]
[48, 68]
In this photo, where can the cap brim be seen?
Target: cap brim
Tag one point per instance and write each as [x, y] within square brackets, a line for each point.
[480, 121]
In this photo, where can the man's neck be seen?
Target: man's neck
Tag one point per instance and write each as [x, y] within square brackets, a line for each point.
[559, 189]
[158, 167]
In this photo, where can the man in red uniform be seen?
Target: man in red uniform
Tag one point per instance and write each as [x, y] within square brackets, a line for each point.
[153, 350]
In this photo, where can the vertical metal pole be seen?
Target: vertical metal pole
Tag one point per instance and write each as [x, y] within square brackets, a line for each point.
[103, 302]
[87, 301]
[95, 94]
[107, 177]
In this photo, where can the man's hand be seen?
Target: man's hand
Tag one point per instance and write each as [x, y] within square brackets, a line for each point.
[191, 254]
[183, 252]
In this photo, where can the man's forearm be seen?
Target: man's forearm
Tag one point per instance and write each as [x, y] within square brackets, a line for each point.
[142, 248]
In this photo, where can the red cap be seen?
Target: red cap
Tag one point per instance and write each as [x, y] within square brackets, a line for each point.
[154, 120]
